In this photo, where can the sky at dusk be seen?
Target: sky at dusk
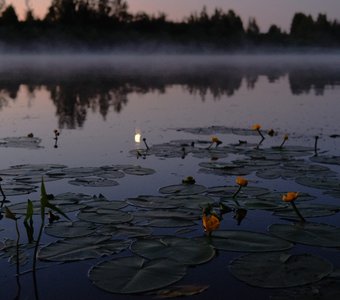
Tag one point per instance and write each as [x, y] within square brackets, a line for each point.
[266, 12]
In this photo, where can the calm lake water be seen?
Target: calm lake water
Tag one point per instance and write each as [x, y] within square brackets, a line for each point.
[100, 103]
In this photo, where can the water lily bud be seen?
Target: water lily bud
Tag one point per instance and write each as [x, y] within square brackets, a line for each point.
[241, 181]
[256, 127]
[290, 196]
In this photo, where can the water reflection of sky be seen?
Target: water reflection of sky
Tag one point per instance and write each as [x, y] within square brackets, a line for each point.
[99, 116]
[106, 109]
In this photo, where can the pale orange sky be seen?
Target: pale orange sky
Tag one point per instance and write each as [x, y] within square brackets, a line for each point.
[266, 12]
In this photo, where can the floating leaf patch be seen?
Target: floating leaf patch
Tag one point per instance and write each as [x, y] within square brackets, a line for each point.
[247, 241]
[93, 182]
[184, 250]
[81, 248]
[279, 270]
[109, 217]
[183, 189]
[129, 275]
[69, 229]
[314, 234]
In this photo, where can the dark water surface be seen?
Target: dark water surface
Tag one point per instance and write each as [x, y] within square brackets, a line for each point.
[101, 103]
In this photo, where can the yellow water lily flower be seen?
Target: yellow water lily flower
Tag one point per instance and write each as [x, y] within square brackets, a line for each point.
[241, 181]
[210, 222]
[290, 196]
[256, 127]
[215, 139]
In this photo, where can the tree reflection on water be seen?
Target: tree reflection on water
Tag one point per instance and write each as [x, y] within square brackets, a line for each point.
[74, 93]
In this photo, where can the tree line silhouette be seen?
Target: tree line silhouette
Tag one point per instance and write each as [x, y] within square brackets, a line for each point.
[108, 24]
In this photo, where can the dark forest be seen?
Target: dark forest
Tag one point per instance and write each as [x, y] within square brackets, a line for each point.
[108, 25]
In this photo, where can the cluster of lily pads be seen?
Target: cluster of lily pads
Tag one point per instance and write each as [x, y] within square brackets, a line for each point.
[129, 233]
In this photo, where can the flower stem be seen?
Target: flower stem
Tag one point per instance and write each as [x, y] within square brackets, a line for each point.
[316, 146]
[298, 212]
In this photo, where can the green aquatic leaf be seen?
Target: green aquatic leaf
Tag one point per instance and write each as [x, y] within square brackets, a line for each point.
[93, 182]
[314, 234]
[108, 217]
[325, 159]
[247, 241]
[319, 182]
[183, 189]
[157, 202]
[21, 142]
[308, 211]
[130, 275]
[81, 248]
[70, 229]
[279, 270]
[129, 230]
[183, 250]
[139, 171]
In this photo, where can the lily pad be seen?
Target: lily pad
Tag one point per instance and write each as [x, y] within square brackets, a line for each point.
[81, 248]
[319, 182]
[21, 142]
[30, 169]
[156, 202]
[308, 211]
[139, 171]
[112, 174]
[129, 231]
[129, 275]
[18, 189]
[314, 234]
[332, 160]
[93, 182]
[109, 217]
[167, 222]
[76, 172]
[279, 270]
[183, 189]
[247, 241]
[184, 250]
[70, 229]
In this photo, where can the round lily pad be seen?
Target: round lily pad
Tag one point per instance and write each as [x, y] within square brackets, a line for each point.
[112, 174]
[314, 234]
[183, 189]
[125, 230]
[109, 217]
[308, 211]
[184, 250]
[319, 182]
[18, 189]
[156, 202]
[76, 172]
[93, 182]
[279, 269]
[332, 160]
[247, 241]
[129, 275]
[81, 248]
[69, 229]
[21, 142]
[139, 171]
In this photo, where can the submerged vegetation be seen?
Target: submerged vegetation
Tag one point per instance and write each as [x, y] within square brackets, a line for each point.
[109, 25]
[184, 224]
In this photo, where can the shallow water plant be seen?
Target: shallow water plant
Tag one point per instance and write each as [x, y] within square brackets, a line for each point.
[210, 220]
[290, 197]
[241, 182]
[257, 127]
